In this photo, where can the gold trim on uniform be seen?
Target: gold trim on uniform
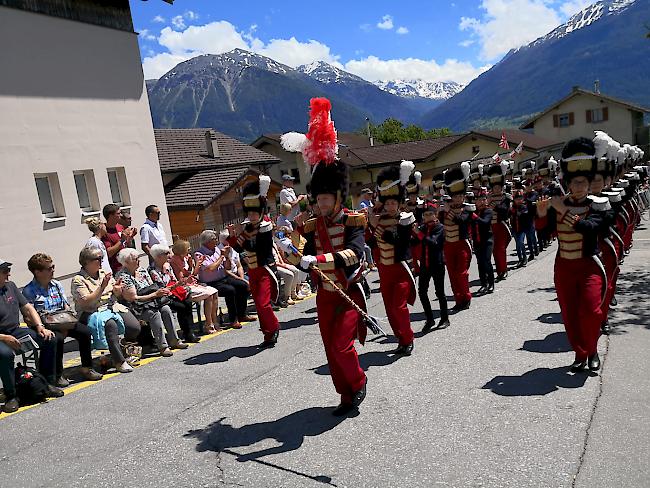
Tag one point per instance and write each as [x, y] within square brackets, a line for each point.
[355, 219]
[310, 226]
[329, 262]
[349, 257]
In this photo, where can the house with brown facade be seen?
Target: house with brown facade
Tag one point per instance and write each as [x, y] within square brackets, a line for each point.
[582, 112]
[203, 173]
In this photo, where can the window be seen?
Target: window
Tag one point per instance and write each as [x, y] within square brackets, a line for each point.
[296, 174]
[563, 120]
[118, 186]
[49, 195]
[597, 115]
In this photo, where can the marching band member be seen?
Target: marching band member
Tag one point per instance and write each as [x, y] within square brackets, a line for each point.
[392, 242]
[256, 238]
[484, 242]
[580, 279]
[500, 204]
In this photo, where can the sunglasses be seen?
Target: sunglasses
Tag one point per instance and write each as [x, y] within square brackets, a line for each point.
[98, 258]
[49, 268]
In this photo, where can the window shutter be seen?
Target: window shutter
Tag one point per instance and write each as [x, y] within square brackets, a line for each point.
[605, 113]
[571, 118]
[588, 116]
[556, 120]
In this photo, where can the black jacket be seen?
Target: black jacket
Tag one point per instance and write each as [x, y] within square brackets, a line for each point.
[432, 240]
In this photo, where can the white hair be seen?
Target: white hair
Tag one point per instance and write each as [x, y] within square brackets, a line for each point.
[207, 236]
[127, 253]
[158, 250]
[223, 235]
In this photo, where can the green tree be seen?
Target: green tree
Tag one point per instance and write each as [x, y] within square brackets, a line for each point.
[392, 130]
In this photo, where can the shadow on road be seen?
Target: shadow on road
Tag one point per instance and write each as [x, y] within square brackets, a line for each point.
[550, 318]
[295, 323]
[223, 356]
[540, 381]
[366, 360]
[555, 342]
[632, 290]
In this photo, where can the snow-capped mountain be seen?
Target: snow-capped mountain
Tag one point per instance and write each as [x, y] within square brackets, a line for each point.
[434, 90]
[326, 73]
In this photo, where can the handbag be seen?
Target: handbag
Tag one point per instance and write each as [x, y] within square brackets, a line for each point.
[131, 351]
[59, 321]
[178, 290]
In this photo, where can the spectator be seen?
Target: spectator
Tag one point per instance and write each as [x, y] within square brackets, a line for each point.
[285, 272]
[283, 223]
[152, 231]
[138, 292]
[288, 195]
[366, 199]
[47, 295]
[127, 223]
[95, 295]
[117, 237]
[213, 273]
[12, 302]
[162, 274]
[98, 229]
[236, 269]
[187, 269]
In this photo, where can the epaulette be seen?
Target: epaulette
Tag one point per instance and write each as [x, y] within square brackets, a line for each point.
[266, 226]
[355, 219]
[600, 204]
[310, 226]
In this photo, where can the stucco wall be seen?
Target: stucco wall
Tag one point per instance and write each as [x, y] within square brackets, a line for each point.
[72, 97]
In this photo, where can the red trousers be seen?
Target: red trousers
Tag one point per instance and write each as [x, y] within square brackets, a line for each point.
[458, 256]
[629, 230]
[338, 323]
[610, 262]
[579, 286]
[397, 290]
[501, 239]
[263, 289]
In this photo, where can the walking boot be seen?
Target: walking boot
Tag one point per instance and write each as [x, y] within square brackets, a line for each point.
[594, 362]
[428, 325]
[444, 323]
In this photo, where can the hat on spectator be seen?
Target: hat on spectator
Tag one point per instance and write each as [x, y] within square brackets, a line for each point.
[287, 177]
[4, 264]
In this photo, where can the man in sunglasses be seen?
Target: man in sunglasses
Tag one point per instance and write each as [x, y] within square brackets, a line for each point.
[13, 337]
[152, 231]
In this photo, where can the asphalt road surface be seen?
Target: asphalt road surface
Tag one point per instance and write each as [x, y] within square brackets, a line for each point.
[487, 402]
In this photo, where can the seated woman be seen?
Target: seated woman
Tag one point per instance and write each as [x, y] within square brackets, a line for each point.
[162, 275]
[98, 228]
[95, 295]
[186, 270]
[47, 295]
[137, 292]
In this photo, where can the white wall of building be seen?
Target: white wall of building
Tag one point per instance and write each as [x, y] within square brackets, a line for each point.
[72, 97]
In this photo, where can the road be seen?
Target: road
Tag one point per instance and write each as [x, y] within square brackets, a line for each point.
[487, 402]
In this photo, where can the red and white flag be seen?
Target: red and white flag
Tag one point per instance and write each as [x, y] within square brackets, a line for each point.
[512, 154]
[520, 148]
[504, 142]
[496, 158]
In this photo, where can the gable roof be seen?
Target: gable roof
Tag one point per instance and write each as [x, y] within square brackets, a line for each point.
[186, 150]
[514, 136]
[347, 139]
[580, 91]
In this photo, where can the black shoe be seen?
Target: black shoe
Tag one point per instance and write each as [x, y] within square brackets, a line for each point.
[490, 288]
[461, 306]
[271, 342]
[482, 290]
[594, 362]
[284, 304]
[191, 338]
[443, 324]
[11, 405]
[53, 392]
[343, 409]
[524, 262]
[428, 325]
[502, 276]
[404, 350]
[614, 302]
[578, 366]
[605, 328]
[531, 257]
[360, 396]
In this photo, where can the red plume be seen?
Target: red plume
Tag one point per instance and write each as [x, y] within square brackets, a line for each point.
[321, 145]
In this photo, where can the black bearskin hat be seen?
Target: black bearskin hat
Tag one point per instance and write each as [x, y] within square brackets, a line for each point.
[413, 184]
[496, 173]
[330, 178]
[389, 180]
[254, 194]
[456, 179]
[578, 159]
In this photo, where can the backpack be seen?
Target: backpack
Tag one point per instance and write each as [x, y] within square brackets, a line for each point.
[31, 386]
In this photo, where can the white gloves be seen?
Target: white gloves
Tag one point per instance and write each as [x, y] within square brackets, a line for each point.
[406, 218]
[307, 261]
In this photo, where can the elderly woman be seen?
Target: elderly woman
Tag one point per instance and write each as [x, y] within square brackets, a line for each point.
[47, 295]
[95, 295]
[98, 228]
[137, 292]
[163, 275]
[186, 270]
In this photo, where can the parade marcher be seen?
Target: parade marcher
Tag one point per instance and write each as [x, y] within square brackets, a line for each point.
[457, 220]
[531, 198]
[392, 237]
[484, 241]
[335, 239]
[580, 279]
[415, 205]
[256, 238]
[521, 221]
[431, 237]
[500, 203]
[540, 183]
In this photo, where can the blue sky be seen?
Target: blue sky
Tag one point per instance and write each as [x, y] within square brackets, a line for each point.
[433, 40]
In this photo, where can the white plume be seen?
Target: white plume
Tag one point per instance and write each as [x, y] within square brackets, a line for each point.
[418, 177]
[293, 141]
[552, 163]
[612, 149]
[265, 184]
[628, 149]
[405, 170]
[601, 142]
[620, 156]
[465, 168]
[480, 169]
[505, 165]
[532, 166]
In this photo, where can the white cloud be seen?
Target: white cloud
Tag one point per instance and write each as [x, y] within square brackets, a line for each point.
[213, 38]
[509, 24]
[372, 68]
[178, 22]
[159, 19]
[574, 6]
[365, 27]
[466, 43]
[386, 22]
[144, 34]
[402, 30]
[157, 65]
[189, 15]
[294, 53]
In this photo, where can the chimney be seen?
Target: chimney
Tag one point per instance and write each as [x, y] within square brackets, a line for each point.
[211, 144]
[372, 141]
[597, 87]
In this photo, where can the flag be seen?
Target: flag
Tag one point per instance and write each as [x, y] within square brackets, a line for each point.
[504, 142]
[512, 154]
[496, 158]
[520, 148]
